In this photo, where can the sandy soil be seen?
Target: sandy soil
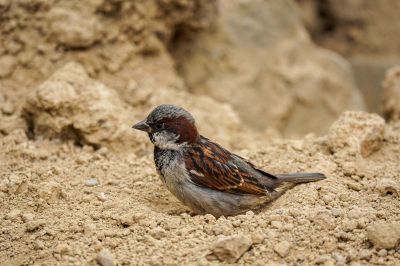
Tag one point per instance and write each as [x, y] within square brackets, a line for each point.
[63, 204]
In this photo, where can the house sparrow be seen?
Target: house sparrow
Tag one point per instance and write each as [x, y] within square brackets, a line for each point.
[203, 175]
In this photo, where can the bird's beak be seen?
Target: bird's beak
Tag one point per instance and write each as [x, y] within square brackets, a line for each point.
[143, 126]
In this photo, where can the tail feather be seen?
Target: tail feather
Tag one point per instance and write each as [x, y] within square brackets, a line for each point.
[300, 177]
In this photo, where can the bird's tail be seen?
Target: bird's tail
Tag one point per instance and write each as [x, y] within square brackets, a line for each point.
[300, 177]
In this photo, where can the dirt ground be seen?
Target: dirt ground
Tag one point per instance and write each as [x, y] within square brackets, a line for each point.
[78, 186]
[62, 204]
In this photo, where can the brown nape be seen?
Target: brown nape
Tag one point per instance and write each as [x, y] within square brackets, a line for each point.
[183, 127]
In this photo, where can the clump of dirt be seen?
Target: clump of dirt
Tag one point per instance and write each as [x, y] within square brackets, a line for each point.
[355, 133]
[70, 105]
[65, 204]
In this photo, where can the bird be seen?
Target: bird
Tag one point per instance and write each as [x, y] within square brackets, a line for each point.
[203, 175]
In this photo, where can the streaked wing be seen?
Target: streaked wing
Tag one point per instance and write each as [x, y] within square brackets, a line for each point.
[214, 167]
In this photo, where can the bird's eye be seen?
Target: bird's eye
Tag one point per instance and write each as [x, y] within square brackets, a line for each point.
[158, 126]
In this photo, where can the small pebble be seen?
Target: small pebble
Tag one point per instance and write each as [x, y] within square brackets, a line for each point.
[91, 182]
[13, 215]
[158, 232]
[382, 253]
[230, 249]
[101, 196]
[89, 228]
[26, 217]
[34, 225]
[257, 237]
[38, 245]
[349, 225]
[365, 254]
[288, 227]
[355, 214]
[236, 223]
[103, 151]
[354, 186]
[384, 235]
[104, 258]
[388, 186]
[7, 108]
[340, 259]
[276, 224]
[63, 248]
[282, 248]
[336, 212]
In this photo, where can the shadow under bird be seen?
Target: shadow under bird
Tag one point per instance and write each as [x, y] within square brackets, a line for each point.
[203, 175]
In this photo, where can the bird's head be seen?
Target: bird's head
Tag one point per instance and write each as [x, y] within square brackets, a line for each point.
[169, 127]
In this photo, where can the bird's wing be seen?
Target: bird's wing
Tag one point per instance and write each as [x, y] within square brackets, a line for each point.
[214, 167]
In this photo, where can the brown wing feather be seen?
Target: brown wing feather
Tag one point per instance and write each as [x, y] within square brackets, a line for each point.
[212, 166]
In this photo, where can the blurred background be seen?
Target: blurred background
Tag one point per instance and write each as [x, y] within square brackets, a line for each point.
[364, 32]
[285, 68]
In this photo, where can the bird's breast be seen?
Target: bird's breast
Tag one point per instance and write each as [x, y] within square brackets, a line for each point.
[171, 167]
